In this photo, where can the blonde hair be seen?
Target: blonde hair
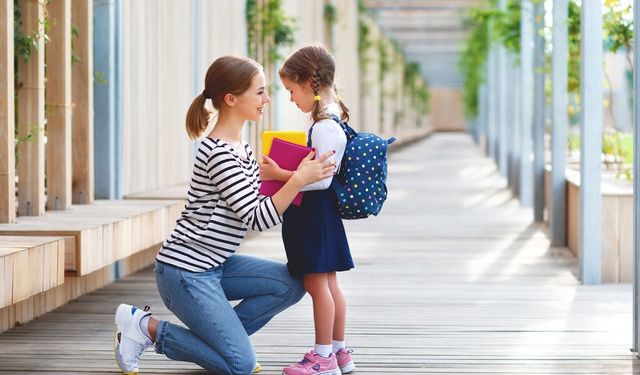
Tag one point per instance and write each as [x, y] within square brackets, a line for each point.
[227, 75]
[315, 64]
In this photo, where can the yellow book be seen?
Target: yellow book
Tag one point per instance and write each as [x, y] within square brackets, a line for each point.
[294, 136]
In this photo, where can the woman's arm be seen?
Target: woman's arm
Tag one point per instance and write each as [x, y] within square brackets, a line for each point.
[308, 172]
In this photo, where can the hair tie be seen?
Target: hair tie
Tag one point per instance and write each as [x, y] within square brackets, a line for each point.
[316, 98]
[338, 98]
[204, 93]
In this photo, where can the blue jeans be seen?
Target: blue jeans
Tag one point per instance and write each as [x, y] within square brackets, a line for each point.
[217, 337]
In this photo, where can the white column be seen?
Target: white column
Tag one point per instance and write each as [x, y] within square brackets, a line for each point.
[559, 103]
[526, 102]
[538, 112]
[492, 83]
[514, 125]
[502, 103]
[636, 174]
[591, 76]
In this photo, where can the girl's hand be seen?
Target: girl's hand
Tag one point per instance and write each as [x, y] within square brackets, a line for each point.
[310, 171]
[270, 170]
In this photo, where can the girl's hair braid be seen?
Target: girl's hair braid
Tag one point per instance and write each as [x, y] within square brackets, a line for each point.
[313, 64]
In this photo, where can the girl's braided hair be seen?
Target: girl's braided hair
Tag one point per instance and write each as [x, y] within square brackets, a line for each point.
[314, 64]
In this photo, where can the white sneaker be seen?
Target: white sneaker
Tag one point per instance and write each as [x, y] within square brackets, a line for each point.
[130, 342]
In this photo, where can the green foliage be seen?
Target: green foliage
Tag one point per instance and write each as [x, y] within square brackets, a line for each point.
[364, 43]
[23, 46]
[75, 33]
[385, 63]
[33, 130]
[416, 88]
[23, 43]
[330, 14]
[573, 26]
[99, 78]
[618, 31]
[506, 26]
[618, 26]
[474, 56]
[617, 148]
[270, 21]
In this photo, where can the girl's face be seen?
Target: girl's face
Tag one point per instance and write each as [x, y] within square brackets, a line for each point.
[251, 102]
[301, 94]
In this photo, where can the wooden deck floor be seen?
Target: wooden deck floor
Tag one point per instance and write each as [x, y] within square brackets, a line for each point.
[452, 278]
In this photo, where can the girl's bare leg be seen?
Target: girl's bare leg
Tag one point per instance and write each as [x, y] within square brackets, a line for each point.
[317, 286]
[340, 305]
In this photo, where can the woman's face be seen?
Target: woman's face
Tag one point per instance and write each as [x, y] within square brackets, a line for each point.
[301, 94]
[251, 102]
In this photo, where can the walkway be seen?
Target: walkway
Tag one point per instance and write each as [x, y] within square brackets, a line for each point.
[451, 278]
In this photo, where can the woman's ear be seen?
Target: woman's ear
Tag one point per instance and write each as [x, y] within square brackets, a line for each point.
[230, 100]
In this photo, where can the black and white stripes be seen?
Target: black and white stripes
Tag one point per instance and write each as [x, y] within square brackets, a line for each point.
[223, 202]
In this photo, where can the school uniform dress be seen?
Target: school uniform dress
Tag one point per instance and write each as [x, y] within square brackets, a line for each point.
[313, 234]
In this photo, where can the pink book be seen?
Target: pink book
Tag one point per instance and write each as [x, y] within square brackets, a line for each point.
[288, 156]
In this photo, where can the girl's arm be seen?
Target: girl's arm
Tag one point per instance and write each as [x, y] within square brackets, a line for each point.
[327, 136]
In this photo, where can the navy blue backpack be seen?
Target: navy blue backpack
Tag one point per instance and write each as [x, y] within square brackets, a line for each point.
[360, 185]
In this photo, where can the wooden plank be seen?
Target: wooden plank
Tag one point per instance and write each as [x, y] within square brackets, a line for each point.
[610, 239]
[30, 94]
[21, 286]
[7, 115]
[625, 207]
[58, 101]
[29, 266]
[6, 277]
[82, 93]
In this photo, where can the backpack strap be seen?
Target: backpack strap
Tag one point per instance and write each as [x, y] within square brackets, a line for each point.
[348, 131]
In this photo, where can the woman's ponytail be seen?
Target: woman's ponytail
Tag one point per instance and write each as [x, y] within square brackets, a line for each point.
[197, 117]
[226, 75]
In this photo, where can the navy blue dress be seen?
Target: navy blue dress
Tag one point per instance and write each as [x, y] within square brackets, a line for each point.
[313, 235]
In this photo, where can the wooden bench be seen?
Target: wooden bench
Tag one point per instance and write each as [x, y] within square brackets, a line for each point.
[102, 232]
[28, 266]
[88, 240]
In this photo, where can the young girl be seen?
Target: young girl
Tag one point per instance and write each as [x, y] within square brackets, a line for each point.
[197, 270]
[313, 234]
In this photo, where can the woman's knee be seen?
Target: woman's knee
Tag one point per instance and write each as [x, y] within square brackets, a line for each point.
[244, 364]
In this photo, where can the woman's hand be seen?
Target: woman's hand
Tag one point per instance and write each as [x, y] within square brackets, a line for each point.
[310, 170]
[270, 170]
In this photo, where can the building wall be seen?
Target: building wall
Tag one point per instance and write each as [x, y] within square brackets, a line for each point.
[167, 47]
[447, 113]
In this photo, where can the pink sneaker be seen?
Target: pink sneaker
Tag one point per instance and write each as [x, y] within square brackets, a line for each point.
[314, 364]
[344, 361]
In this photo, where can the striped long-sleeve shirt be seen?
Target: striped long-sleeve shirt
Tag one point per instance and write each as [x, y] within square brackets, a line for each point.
[223, 202]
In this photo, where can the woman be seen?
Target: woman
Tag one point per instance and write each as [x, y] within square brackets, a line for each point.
[197, 270]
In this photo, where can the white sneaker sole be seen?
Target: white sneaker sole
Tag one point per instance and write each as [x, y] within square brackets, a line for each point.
[349, 367]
